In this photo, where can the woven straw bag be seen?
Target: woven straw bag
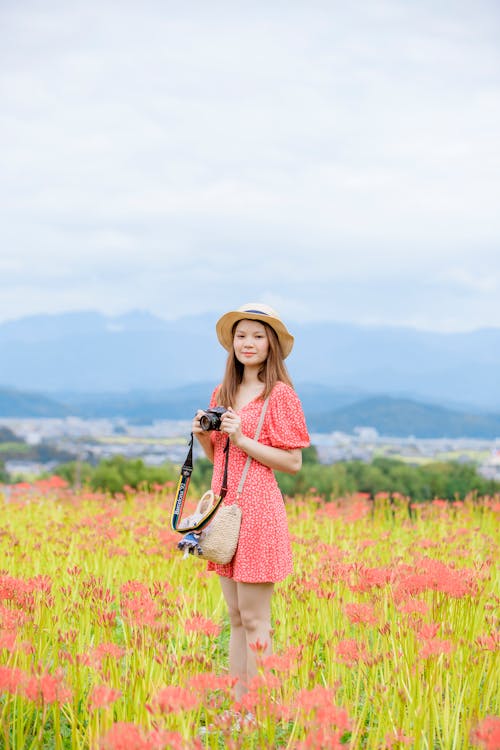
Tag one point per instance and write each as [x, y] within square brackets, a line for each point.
[220, 538]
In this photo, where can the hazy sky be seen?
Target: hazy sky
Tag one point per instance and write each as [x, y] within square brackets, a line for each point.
[339, 160]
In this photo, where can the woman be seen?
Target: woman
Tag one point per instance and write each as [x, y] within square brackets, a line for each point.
[257, 342]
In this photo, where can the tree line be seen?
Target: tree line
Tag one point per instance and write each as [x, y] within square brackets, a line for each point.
[447, 480]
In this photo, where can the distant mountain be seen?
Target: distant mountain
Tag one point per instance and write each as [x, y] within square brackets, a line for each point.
[326, 411]
[15, 403]
[87, 352]
[403, 417]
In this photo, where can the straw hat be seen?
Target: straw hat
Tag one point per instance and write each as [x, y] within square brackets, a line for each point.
[254, 311]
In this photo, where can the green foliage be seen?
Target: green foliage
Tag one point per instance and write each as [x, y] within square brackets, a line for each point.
[4, 477]
[447, 480]
[42, 452]
[113, 474]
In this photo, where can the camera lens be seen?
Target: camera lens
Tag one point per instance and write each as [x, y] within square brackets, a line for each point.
[205, 422]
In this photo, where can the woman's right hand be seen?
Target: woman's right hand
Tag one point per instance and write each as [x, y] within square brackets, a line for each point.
[202, 436]
[196, 427]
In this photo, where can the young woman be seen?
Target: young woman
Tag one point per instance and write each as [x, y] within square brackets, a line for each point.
[258, 342]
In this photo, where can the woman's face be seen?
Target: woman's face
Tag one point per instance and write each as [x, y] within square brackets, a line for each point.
[250, 342]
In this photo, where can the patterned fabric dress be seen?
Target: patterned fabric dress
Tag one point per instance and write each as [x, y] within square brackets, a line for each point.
[264, 552]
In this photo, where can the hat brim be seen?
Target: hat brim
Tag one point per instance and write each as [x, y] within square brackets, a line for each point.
[224, 329]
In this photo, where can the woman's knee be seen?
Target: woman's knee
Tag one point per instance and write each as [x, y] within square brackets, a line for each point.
[235, 619]
[254, 621]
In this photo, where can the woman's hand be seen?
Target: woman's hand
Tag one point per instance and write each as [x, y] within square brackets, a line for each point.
[202, 436]
[231, 425]
[195, 426]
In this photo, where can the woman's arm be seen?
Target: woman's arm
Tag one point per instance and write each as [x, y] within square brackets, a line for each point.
[279, 459]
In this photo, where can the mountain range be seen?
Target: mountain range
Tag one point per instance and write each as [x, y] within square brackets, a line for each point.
[326, 410]
[399, 380]
[87, 352]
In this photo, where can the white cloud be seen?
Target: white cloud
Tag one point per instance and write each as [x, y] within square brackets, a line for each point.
[269, 145]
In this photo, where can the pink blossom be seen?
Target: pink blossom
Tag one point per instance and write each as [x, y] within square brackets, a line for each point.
[199, 624]
[487, 733]
[361, 613]
[103, 696]
[351, 651]
[171, 699]
[434, 647]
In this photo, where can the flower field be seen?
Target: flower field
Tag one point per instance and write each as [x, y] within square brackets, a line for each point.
[387, 636]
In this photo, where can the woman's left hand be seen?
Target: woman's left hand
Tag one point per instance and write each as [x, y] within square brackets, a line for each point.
[231, 425]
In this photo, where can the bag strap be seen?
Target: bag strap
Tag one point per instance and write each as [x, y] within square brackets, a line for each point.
[249, 458]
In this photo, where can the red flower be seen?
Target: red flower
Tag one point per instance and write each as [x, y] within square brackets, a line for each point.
[199, 624]
[350, 651]
[361, 613]
[487, 733]
[127, 736]
[205, 681]
[434, 647]
[103, 696]
[172, 699]
[11, 679]
[47, 688]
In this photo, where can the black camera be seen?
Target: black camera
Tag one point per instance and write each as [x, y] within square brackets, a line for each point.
[210, 419]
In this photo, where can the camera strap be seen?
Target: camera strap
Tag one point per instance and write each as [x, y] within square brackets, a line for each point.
[182, 487]
[185, 476]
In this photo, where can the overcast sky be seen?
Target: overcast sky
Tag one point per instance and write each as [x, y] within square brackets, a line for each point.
[339, 160]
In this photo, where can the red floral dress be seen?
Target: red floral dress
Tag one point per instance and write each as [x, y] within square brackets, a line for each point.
[264, 552]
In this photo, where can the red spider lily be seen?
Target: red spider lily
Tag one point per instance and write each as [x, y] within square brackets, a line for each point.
[369, 578]
[487, 733]
[8, 640]
[351, 651]
[327, 723]
[435, 647]
[141, 610]
[172, 698]
[320, 698]
[11, 619]
[131, 588]
[52, 483]
[16, 590]
[97, 655]
[259, 647]
[489, 642]
[106, 619]
[128, 736]
[47, 688]
[322, 739]
[205, 681]
[428, 630]
[11, 679]
[199, 624]
[108, 649]
[414, 607]
[284, 662]
[103, 696]
[397, 739]
[361, 613]
[118, 552]
[259, 698]
[429, 574]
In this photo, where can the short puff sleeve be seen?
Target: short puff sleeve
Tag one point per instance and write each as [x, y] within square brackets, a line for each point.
[285, 421]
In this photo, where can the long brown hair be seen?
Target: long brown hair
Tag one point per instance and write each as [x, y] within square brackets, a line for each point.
[271, 371]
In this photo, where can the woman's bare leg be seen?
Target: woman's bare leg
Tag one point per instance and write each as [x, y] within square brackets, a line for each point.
[237, 639]
[254, 603]
[249, 608]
